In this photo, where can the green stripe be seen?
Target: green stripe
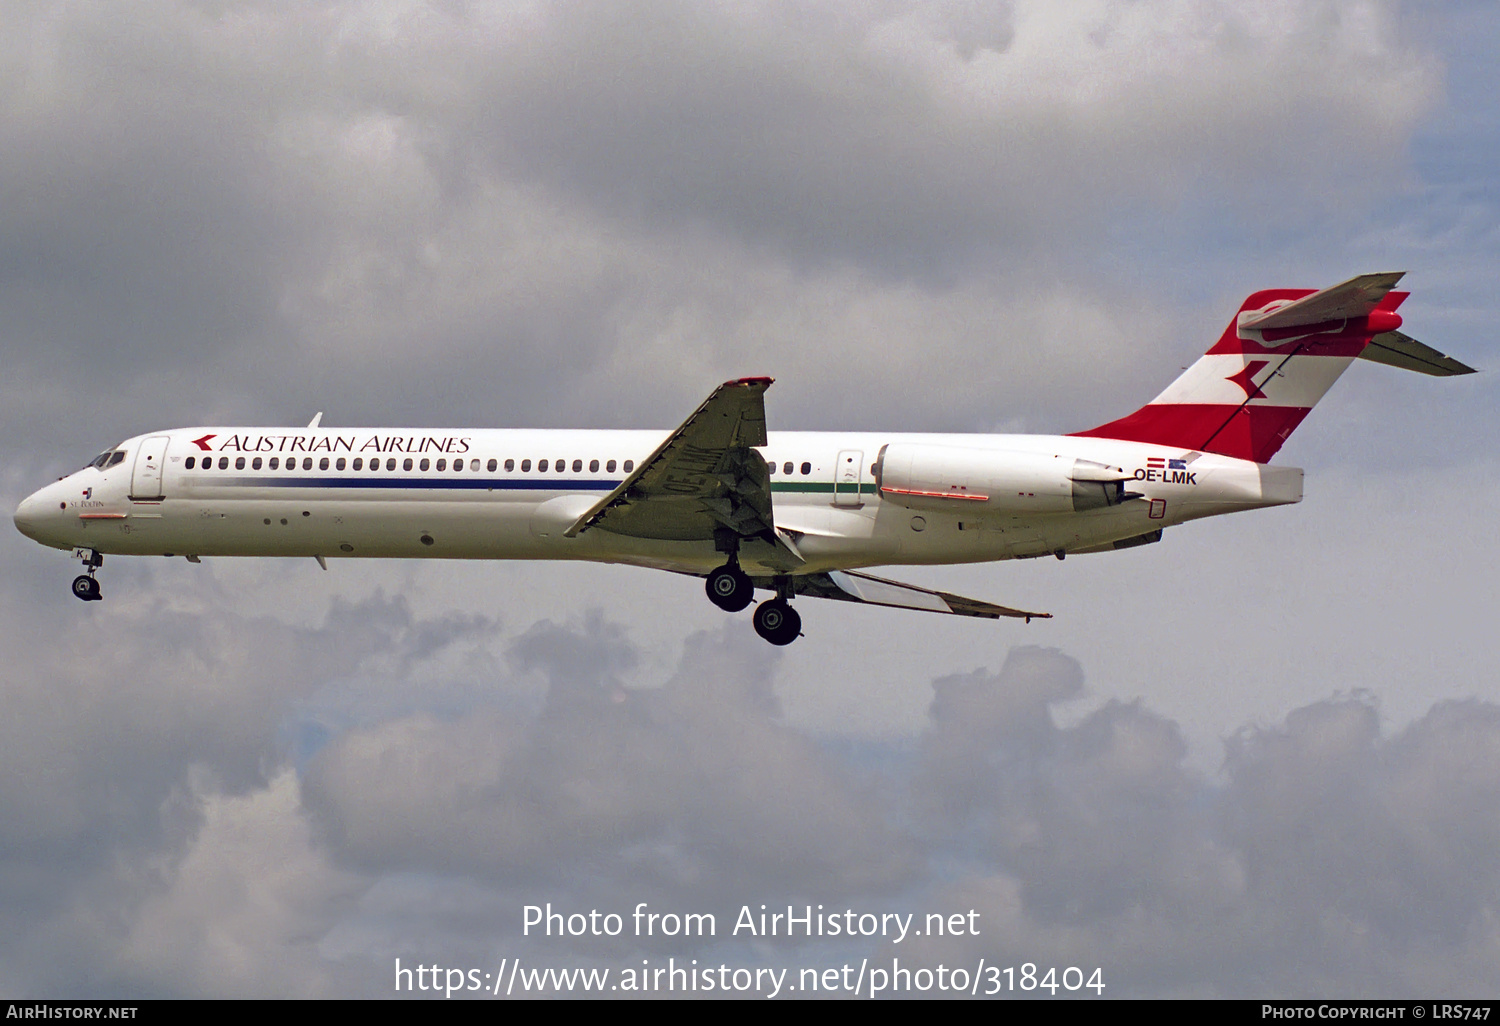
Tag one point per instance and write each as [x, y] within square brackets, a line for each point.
[816, 486]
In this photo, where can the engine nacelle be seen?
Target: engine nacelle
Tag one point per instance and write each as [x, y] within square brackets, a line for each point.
[955, 479]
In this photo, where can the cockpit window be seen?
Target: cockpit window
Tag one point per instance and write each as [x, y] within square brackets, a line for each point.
[108, 458]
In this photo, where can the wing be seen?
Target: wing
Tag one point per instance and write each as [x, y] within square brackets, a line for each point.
[706, 478]
[852, 586]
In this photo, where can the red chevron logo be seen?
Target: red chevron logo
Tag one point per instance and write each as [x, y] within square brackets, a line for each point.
[202, 443]
[1245, 378]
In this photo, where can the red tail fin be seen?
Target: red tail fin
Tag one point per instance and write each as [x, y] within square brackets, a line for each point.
[1281, 353]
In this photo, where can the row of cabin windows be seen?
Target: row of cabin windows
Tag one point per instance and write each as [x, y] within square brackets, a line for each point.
[358, 463]
[558, 466]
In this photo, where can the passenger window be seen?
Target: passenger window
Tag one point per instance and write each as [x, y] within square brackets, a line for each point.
[441, 465]
[786, 468]
[390, 464]
[424, 464]
[610, 467]
[541, 466]
[806, 469]
[561, 465]
[494, 465]
[406, 463]
[458, 465]
[593, 466]
[629, 466]
[223, 462]
[770, 468]
[190, 463]
[525, 465]
[323, 463]
[275, 462]
[578, 466]
[307, 463]
[474, 465]
[255, 463]
[239, 463]
[358, 464]
[509, 465]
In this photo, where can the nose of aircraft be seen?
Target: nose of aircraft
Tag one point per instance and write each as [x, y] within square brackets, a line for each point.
[28, 516]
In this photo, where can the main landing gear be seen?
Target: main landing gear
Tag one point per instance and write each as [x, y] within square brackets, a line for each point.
[731, 589]
[85, 585]
[777, 622]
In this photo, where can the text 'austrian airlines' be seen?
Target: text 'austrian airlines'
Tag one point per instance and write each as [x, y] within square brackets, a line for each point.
[722, 498]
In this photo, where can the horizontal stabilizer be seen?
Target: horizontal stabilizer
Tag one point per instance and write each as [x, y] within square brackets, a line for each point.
[1356, 297]
[852, 586]
[1396, 349]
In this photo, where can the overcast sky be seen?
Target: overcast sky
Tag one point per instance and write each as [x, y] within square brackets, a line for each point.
[1261, 758]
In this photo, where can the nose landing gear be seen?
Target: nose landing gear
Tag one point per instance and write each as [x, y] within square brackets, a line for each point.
[85, 585]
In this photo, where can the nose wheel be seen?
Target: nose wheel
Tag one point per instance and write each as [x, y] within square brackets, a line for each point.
[85, 585]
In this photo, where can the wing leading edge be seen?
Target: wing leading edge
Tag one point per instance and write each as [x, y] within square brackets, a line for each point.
[706, 479]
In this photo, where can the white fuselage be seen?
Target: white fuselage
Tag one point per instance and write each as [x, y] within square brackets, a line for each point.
[313, 492]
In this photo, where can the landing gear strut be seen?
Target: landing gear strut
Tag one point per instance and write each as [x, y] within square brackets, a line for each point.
[85, 586]
[777, 622]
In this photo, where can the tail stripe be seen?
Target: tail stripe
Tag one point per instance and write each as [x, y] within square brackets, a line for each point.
[1250, 391]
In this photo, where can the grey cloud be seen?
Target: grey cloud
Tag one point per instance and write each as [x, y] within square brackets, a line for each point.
[689, 788]
[1329, 861]
[244, 213]
[875, 138]
[157, 848]
[124, 729]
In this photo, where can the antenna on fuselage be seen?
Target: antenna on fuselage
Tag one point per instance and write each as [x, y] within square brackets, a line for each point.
[317, 418]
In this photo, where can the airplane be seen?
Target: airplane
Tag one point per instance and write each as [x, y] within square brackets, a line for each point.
[724, 499]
